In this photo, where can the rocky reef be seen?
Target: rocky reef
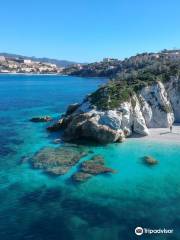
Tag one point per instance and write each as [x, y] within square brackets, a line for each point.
[57, 161]
[90, 168]
[116, 111]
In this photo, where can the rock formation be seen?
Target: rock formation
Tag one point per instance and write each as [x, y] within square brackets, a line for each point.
[154, 106]
[41, 119]
[148, 160]
[173, 89]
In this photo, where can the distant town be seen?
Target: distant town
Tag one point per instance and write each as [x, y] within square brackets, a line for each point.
[20, 65]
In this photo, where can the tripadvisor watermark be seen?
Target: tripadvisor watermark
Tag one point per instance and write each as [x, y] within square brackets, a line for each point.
[139, 231]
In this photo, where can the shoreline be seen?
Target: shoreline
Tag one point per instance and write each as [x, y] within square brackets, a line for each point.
[161, 135]
[33, 74]
[53, 74]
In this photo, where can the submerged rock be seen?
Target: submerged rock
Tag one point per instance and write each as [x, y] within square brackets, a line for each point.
[98, 159]
[57, 161]
[150, 160]
[41, 119]
[24, 159]
[89, 168]
[81, 176]
[95, 168]
[58, 170]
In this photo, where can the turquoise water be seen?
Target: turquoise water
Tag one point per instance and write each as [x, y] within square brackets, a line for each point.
[35, 206]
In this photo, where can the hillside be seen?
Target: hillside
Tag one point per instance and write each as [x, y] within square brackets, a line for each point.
[114, 67]
[59, 63]
[144, 93]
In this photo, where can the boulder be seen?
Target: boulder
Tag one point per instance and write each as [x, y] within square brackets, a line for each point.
[55, 127]
[72, 108]
[148, 160]
[41, 119]
[59, 125]
[87, 125]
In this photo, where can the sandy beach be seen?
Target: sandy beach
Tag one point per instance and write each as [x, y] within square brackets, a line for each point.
[163, 135]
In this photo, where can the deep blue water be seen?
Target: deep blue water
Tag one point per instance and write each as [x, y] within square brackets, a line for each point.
[35, 206]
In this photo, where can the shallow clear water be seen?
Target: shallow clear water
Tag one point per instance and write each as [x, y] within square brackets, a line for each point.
[39, 207]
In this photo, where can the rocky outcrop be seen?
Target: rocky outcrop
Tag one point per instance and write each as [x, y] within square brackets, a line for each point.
[71, 108]
[173, 89]
[150, 161]
[153, 106]
[87, 125]
[56, 126]
[41, 119]
[62, 123]
[156, 106]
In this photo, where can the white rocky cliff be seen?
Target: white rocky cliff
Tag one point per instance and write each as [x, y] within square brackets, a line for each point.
[173, 89]
[154, 106]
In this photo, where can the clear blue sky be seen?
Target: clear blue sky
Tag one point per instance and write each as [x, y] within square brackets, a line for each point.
[88, 30]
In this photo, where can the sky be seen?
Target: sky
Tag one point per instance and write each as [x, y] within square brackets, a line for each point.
[88, 30]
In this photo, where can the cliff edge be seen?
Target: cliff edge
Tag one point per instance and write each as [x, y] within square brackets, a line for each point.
[116, 111]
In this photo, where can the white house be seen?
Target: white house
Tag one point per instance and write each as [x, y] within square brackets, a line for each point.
[2, 59]
[27, 61]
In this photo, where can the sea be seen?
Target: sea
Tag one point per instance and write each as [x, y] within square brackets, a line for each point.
[36, 206]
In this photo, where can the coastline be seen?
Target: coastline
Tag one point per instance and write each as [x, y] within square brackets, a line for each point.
[51, 74]
[33, 193]
[34, 74]
[161, 135]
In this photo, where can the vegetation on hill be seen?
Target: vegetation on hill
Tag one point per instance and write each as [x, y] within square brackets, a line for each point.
[111, 95]
[114, 67]
[134, 74]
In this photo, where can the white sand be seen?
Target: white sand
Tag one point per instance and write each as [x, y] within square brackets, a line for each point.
[163, 135]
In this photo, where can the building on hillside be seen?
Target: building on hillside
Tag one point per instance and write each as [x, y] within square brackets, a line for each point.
[109, 59]
[2, 59]
[51, 65]
[156, 55]
[77, 66]
[172, 55]
[27, 61]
